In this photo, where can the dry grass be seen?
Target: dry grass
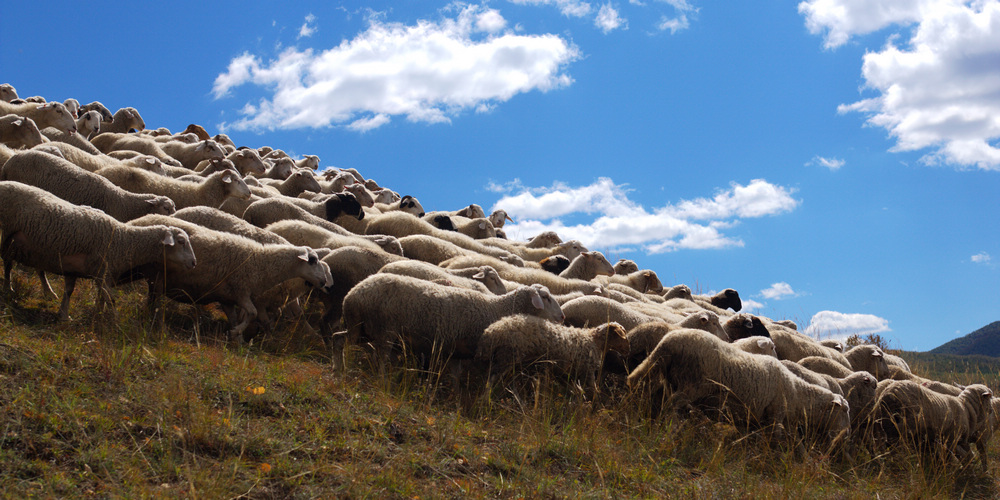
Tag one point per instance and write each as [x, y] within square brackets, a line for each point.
[135, 413]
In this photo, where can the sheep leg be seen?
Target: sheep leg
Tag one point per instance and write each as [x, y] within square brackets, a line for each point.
[46, 287]
[70, 285]
[247, 313]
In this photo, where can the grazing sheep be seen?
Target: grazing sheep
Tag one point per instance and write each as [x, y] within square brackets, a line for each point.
[755, 391]
[625, 266]
[124, 120]
[300, 181]
[644, 281]
[108, 142]
[106, 116]
[19, 132]
[246, 162]
[824, 365]
[212, 192]
[89, 123]
[429, 319]
[189, 155]
[430, 272]
[52, 235]
[218, 220]
[868, 358]
[740, 326]
[794, 346]
[240, 271]
[406, 204]
[525, 344]
[757, 345]
[587, 266]
[643, 338]
[52, 114]
[80, 187]
[942, 387]
[905, 409]
[555, 264]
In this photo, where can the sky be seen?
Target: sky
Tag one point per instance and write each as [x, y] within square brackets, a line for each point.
[835, 161]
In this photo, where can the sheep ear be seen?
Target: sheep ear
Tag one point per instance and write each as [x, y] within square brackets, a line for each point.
[536, 300]
[304, 255]
[480, 275]
[227, 178]
[762, 343]
[17, 123]
[508, 217]
[482, 225]
[876, 354]
[168, 239]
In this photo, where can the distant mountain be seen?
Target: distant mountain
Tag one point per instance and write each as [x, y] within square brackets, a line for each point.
[984, 341]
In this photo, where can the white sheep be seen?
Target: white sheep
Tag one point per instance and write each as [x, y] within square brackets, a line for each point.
[189, 155]
[834, 344]
[757, 345]
[300, 232]
[278, 169]
[643, 338]
[108, 142]
[7, 92]
[218, 220]
[430, 272]
[52, 235]
[757, 391]
[593, 310]
[429, 248]
[52, 114]
[17, 131]
[868, 358]
[106, 116]
[643, 281]
[237, 271]
[794, 346]
[429, 319]
[406, 204]
[300, 181]
[73, 106]
[523, 344]
[53, 134]
[246, 161]
[124, 120]
[212, 192]
[499, 217]
[587, 266]
[625, 266]
[94, 162]
[309, 162]
[526, 275]
[89, 123]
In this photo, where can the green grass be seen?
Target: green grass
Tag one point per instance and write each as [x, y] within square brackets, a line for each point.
[133, 413]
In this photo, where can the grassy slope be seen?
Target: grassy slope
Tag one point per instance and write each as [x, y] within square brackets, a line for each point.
[128, 414]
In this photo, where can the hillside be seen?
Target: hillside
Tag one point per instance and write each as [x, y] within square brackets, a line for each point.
[984, 341]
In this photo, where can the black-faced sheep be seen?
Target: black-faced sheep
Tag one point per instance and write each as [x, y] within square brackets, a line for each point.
[428, 319]
[742, 325]
[555, 264]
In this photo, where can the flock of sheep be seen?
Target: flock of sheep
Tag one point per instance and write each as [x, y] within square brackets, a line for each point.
[89, 194]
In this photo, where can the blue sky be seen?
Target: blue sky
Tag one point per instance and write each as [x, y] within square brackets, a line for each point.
[835, 161]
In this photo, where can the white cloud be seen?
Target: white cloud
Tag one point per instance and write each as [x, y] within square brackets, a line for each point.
[940, 88]
[616, 221]
[981, 258]
[307, 28]
[830, 163]
[428, 72]
[569, 8]
[674, 24]
[608, 19]
[750, 304]
[842, 325]
[778, 291]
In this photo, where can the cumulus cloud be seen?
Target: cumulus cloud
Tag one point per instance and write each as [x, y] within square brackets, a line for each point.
[680, 21]
[608, 19]
[842, 325]
[427, 72]
[570, 8]
[940, 88]
[615, 221]
[750, 304]
[307, 28]
[830, 163]
[778, 291]
[981, 258]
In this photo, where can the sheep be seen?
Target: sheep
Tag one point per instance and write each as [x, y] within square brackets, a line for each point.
[571, 249]
[198, 132]
[441, 221]
[905, 409]
[757, 345]
[703, 370]
[593, 310]
[472, 211]
[76, 185]
[429, 248]
[224, 140]
[726, 299]
[499, 217]
[384, 196]
[642, 339]
[53, 134]
[363, 195]
[73, 106]
[406, 204]
[857, 387]
[108, 142]
[836, 345]
[189, 155]
[794, 346]
[279, 169]
[212, 192]
[300, 232]
[824, 365]
[7, 92]
[240, 271]
[555, 264]
[246, 162]
[17, 131]
[335, 182]
[52, 235]
[476, 228]
[106, 116]
[625, 266]
[868, 358]
[124, 120]
[486, 275]
[587, 266]
[263, 213]
[300, 181]
[218, 220]
[52, 114]
[942, 387]
[787, 323]
[520, 343]
[678, 292]
[93, 163]
[5, 153]
[644, 281]
[526, 275]
[88, 124]
[310, 162]
[428, 318]
[430, 272]
[740, 326]
[896, 361]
